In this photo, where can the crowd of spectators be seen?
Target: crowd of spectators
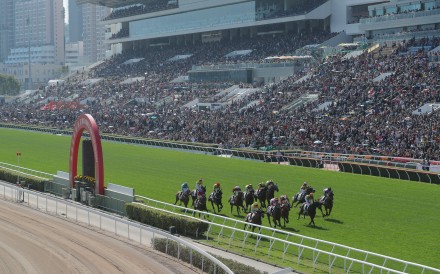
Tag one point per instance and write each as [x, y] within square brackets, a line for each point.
[365, 116]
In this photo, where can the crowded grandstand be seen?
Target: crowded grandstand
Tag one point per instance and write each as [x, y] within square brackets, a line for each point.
[296, 84]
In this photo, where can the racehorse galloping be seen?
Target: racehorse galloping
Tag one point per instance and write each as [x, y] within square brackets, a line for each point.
[194, 194]
[200, 204]
[299, 198]
[285, 209]
[327, 201]
[254, 219]
[249, 199]
[261, 196]
[276, 216]
[183, 198]
[216, 198]
[271, 191]
[237, 201]
[311, 212]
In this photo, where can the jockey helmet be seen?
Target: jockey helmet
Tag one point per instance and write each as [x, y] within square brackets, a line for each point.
[200, 181]
[249, 186]
[217, 184]
[329, 189]
[255, 204]
[305, 184]
[260, 184]
[185, 184]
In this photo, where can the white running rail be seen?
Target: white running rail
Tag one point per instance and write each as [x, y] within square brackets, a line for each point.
[341, 256]
[121, 227]
[26, 171]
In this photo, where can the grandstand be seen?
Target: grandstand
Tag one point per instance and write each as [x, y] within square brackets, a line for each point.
[235, 72]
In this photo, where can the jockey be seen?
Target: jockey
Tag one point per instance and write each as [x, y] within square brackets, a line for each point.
[255, 207]
[303, 188]
[284, 200]
[268, 183]
[309, 200]
[185, 188]
[235, 190]
[273, 203]
[216, 187]
[199, 188]
[248, 188]
[261, 186]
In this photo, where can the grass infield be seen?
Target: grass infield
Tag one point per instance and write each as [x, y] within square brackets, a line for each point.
[387, 216]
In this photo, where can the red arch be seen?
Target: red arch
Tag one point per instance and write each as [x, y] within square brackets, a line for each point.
[86, 122]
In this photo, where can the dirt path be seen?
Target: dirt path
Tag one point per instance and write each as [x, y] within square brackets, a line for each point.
[33, 242]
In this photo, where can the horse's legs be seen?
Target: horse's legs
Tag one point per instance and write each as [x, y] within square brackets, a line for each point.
[320, 208]
[213, 207]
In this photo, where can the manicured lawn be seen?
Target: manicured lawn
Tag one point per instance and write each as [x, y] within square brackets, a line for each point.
[391, 217]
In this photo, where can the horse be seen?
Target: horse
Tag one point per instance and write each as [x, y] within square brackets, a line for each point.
[276, 215]
[300, 198]
[237, 201]
[194, 194]
[182, 198]
[285, 209]
[327, 202]
[216, 198]
[249, 199]
[260, 195]
[254, 219]
[270, 193]
[311, 211]
[200, 204]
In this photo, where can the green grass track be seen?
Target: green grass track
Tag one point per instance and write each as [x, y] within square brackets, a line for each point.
[391, 217]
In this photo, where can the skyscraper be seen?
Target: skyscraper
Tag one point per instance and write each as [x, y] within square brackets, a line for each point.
[94, 31]
[36, 29]
[76, 29]
[6, 27]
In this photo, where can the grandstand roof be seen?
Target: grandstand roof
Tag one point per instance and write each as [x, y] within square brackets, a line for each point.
[112, 3]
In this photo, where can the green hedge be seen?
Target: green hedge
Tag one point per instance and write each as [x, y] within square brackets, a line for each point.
[32, 182]
[184, 226]
[195, 259]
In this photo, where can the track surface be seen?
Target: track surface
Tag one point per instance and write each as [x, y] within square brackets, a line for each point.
[33, 242]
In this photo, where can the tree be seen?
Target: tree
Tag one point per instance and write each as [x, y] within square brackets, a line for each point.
[9, 85]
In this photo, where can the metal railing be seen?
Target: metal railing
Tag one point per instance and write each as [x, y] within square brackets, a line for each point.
[26, 171]
[307, 248]
[120, 227]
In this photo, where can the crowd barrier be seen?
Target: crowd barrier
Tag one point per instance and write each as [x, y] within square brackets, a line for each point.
[390, 172]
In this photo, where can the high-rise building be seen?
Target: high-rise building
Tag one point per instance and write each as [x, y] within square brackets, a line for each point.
[6, 27]
[94, 31]
[38, 32]
[36, 29]
[75, 22]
